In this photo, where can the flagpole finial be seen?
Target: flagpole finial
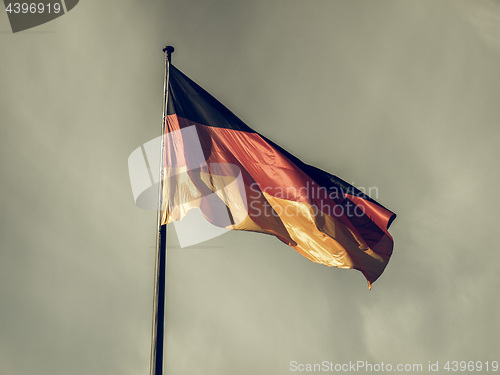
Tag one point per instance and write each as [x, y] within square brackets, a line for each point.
[168, 50]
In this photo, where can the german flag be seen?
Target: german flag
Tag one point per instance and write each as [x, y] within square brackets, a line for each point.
[321, 216]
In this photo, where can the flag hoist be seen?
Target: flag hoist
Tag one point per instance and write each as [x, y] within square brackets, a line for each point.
[213, 163]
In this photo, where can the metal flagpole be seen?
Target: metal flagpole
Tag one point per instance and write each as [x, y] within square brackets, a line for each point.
[156, 365]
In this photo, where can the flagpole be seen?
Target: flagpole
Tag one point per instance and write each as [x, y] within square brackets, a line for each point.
[157, 337]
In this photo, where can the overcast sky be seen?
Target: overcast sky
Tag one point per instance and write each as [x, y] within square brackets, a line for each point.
[398, 96]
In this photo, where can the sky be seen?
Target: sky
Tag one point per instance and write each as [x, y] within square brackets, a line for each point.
[394, 96]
